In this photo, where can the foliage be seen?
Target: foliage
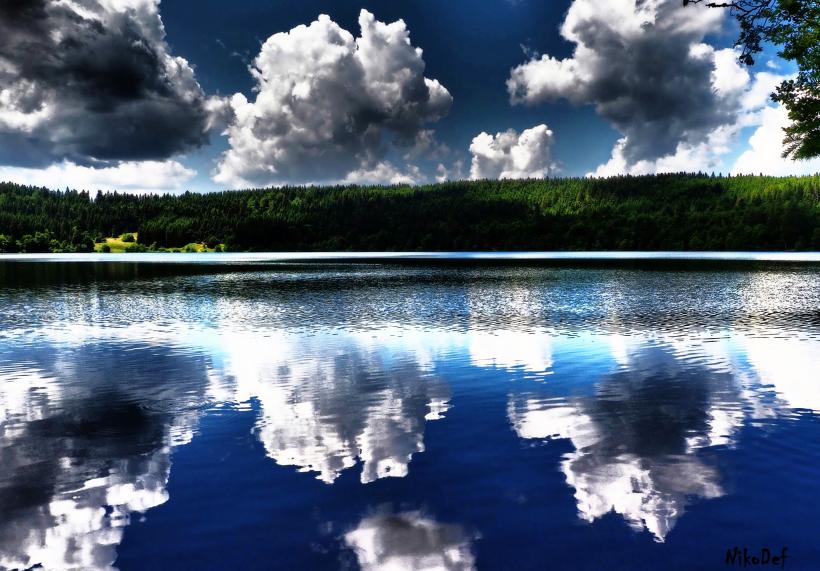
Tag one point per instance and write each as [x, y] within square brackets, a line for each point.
[794, 26]
[659, 212]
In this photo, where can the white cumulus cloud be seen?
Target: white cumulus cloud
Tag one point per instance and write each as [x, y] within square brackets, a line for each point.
[765, 148]
[512, 155]
[384, 173]
[329, 106]
[133, 176]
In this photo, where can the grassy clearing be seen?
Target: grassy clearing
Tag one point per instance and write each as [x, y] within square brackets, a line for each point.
[122, 244]
[117, 245]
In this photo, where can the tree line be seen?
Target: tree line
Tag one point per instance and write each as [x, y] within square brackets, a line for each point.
[653, 212]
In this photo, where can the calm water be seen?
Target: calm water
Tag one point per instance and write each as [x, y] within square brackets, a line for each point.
[317, 416]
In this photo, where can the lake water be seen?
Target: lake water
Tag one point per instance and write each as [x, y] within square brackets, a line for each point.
[384, 416]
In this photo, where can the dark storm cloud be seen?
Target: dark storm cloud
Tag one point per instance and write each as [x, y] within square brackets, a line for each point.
[644, 66]
[87, 81]
[658, 105]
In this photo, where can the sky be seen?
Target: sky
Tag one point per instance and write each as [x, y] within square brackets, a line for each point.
[150, 96]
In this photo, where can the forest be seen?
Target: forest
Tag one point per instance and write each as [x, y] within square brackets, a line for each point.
[653, 212]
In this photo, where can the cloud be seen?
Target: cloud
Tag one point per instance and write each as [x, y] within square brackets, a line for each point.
[750, 95]
[384, 173]
[93, 80]
[704, 156]
[329, 105]
[764, 154]
[454, 172]
[510, 155]
[645, 68]
[427, 146]
[679, 103]
[131, 176]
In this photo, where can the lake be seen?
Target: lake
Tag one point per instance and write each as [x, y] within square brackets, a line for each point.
[298, 412]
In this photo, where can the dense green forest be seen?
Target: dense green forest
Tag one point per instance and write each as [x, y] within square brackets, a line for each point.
[659, 212]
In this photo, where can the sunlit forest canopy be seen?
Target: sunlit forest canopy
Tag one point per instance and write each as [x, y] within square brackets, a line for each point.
[653, 212]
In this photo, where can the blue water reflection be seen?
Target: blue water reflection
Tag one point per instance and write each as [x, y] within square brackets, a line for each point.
[419, 418]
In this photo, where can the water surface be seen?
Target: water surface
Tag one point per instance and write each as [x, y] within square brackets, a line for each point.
[382, 416]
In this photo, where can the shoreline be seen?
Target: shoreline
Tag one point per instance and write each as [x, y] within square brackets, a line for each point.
[522, 257]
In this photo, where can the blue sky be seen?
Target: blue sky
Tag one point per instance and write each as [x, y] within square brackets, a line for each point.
[524, 89]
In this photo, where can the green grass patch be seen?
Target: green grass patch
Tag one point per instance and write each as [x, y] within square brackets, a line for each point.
[117, 245]
[121, 245]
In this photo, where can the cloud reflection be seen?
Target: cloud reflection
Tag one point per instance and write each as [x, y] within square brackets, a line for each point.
[82, 449]
[87, 432]
[511, 350]
[637, 437]
[326, 405]
[791, 367]
[410, 541]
